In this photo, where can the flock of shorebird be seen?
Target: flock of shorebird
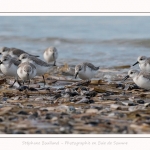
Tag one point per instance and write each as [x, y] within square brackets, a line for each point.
[20, 64]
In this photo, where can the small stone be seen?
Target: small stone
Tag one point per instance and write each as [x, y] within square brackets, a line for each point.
[74, 94]
[17, 98]
[4, 98]
[97, 107]
[140, 101]
[39, 99]
[22, 88]
[131, 104]
[1, 119]
[71, 109]
[115, 107]
[147, 104]
[22, 113]
[120, 86]
[91, 93]
[49, 116]
[92, 111]
[32, 89]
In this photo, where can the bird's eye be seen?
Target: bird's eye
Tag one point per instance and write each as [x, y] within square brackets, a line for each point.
[3, 50]
[5, 59]
[131, 72]
[141, 59]
[23, 57]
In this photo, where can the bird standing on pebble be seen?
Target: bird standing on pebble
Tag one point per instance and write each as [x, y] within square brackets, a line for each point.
[50, 55]
[141, 79]
[85, 71]
[41, 66]
[26, 71]
[9, 67]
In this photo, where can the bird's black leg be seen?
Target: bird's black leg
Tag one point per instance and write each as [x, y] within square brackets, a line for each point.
[28, 83]
[54, 59]
[18, 81]
[13, 83]
[28, 79]
[55, 63]
[44, 80]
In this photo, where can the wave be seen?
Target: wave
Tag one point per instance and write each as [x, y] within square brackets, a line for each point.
[143, 42]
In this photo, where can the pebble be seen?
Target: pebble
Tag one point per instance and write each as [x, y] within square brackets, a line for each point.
[71, 109]
[140, 101]
[39, 99]
[115, 107]
[4, 98]
[22, 112]
[91, 111]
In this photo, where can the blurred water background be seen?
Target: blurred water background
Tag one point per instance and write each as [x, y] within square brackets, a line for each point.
[102, 40]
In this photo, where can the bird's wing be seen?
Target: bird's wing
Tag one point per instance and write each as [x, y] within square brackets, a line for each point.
[90, 65]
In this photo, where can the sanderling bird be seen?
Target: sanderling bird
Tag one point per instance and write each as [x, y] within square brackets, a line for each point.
[50, 55]
[41, 66]
[9, 67]
[141, 79]
[26, 71]
[13, 52]
[85, 71]
[144, 63]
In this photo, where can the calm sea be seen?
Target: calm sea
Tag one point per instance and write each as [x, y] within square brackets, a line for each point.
[105, 41]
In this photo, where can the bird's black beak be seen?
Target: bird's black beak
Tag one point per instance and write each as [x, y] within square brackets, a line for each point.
[135, 63]
[19, 60]
[126, 77]
[0, 53]
[1, 62]
[76, 74]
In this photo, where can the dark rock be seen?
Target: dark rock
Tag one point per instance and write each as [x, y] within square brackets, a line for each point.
[91, 93]
[38, 132]
[140, 101]
[32, 89]
[33, 116]
[22, 112]
[22, 88]
[13, 118]
[4, 98]
[137, 115]
[122, 86]
[1, 120]
[57, 95]
[131, 87]
[90, 101]
[97, 107]
[108, 93]
[62, 88]
[49, 116]
[131, 104]
[93, 123]
[73, 94]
